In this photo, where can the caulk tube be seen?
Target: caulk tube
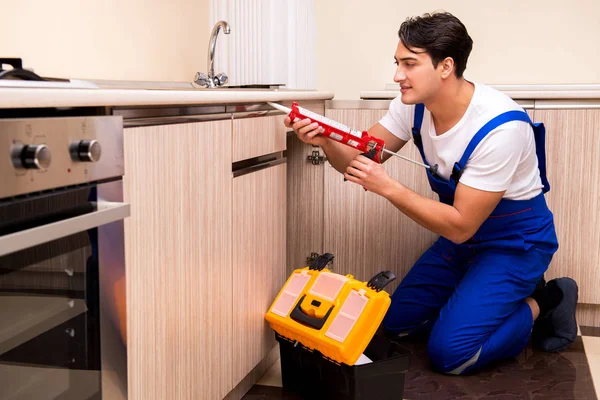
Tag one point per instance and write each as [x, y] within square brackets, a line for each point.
[281, 108]
[371, 146]
[333, 129]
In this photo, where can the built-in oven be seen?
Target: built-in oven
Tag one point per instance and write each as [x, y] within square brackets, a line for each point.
[62, 269]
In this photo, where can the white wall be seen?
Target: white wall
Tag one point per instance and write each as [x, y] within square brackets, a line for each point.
[107, 39]
[515, 41]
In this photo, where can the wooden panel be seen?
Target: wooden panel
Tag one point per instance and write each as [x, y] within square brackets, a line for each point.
[365, 232]
[588, 315]
[305, 198]
[573, 166]
[178, 254]
[253, 137]
[305, 204]
[259, 251]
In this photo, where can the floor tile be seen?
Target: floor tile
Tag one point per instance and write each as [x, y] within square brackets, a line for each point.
[594, 362]
[533, 375]
[258, 392]
[272, 377]
[592, 344]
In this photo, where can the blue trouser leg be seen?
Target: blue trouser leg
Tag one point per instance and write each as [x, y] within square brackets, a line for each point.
[472, 296]
[428, 285]
[474, 303]
[486, 318]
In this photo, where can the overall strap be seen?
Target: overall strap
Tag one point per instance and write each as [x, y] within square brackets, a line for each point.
[539, 132]
[495, 122]
[416, 130]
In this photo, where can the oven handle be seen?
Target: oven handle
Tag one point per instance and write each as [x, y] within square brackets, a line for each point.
[106, 213]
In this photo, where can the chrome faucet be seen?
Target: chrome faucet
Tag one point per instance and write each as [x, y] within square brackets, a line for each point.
[210, 80]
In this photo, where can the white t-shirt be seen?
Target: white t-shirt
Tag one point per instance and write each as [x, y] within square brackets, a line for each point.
[504, 160]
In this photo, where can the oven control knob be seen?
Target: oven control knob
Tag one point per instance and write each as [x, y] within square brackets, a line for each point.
[86, 151]
[33, 156]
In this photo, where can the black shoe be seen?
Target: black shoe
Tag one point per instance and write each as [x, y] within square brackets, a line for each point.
[557, 329]
[539, 286]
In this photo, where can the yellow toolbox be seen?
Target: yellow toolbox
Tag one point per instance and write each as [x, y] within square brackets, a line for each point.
[334, 314]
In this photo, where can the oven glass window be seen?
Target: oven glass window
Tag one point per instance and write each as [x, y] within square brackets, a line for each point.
[49, 303]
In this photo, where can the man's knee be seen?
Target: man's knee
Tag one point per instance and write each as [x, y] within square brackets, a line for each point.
[450, 354]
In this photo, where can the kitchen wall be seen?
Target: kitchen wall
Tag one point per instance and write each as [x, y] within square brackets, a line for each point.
[108, 39]
[515, 41]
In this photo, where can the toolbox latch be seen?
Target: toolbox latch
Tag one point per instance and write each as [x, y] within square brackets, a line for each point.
[321, 262]
[380, 280]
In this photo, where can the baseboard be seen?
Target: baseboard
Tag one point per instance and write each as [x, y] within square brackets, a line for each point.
[254, 376]
[588, 314]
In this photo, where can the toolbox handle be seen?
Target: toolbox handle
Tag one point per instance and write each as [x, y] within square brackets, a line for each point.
[300, 316]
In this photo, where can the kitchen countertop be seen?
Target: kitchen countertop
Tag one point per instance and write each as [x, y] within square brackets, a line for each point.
[162, 96]
[520, 92]
[63, 97]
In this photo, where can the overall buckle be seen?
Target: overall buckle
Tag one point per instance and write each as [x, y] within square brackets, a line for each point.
[457, 172]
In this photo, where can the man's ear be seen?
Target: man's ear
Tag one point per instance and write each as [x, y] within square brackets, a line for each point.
[447, 67]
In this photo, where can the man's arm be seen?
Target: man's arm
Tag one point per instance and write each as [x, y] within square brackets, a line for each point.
[458, 222]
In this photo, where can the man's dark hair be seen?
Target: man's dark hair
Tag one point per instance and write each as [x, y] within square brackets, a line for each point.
[442, 35]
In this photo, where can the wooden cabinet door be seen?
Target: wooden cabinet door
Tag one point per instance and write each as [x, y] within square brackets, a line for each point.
[253, 137]
[573, 168]
[305, 198]
[178, 254]
[364, 231]
[305, 204]
[259, 271]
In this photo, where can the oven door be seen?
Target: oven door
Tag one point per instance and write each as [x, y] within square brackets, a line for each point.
[50, 293]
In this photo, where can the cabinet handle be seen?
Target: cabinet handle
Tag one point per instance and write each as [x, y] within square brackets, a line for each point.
[253, 167]
[107, 212]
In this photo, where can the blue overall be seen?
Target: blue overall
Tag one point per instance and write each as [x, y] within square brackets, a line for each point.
[470, 296]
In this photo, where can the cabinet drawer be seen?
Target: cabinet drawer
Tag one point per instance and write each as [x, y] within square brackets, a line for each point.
[253, 137]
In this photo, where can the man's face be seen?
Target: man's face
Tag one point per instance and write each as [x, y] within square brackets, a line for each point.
[417, 77]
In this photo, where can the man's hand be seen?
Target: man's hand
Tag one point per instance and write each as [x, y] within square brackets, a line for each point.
[307, 131]
[369, 174]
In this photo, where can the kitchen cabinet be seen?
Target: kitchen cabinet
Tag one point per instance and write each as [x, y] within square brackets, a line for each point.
[259, 236]
[259, 252]
[573, 168]
[207, 251]
[365, 232]
[179, 261]
[206, 255]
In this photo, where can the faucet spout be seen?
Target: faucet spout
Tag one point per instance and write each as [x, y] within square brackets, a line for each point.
[210, 80]
[213, 43]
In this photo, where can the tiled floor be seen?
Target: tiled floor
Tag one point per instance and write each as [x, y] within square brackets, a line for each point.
[533, 375]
